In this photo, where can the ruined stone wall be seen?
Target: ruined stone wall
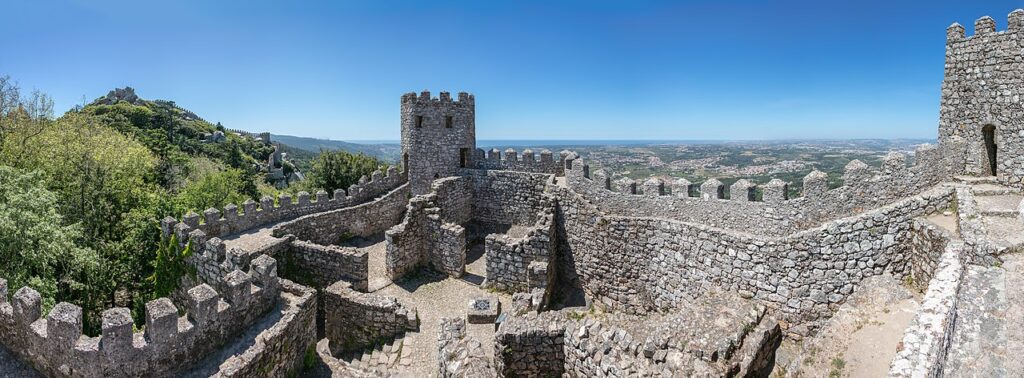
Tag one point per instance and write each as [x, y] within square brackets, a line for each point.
[528, 161]
[506, 197]
[510, 260]
[459, 355]
[280, 351]
[530, 348]
[864, 188]
[364, 220]
[357, 320]
[928, 336]
[636, 265]
[323, 265]
[217, 223]
[438, 137]
[925, 246]
[983, 83]
[56, 346]
[427, 234]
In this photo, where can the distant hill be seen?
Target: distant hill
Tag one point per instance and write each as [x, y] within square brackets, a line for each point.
[387, 152]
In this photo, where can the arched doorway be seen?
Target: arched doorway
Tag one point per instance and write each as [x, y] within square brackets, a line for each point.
[989, 135]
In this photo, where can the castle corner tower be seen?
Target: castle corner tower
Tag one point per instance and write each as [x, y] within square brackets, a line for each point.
[438, 137]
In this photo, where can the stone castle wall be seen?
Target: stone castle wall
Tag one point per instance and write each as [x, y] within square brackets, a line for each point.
[507, 197]
[459, 355]
[216, 223]
[637, 265]
[365, 220]
[982, 86]
[355, 320]
[279, 351]
[864, 188]
[425, 237]
[56, 346]
[527, 161]
[927, 242]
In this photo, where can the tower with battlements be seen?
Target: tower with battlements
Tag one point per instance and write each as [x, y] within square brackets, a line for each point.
[981, 111]
[438, 137]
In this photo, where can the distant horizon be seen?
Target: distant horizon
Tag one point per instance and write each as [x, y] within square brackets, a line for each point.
[487, 142]
[574, 70]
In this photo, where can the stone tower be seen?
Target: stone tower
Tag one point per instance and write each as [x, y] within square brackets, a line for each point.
[981, 98]
[438, 137]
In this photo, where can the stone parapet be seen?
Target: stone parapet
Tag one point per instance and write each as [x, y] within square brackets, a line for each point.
[354, 320]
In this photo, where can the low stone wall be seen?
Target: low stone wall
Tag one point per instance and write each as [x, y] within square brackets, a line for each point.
[636, 265]
[323, 265]
[280, 351]
[217, 223]
[509, 261]
[524, 348]
[355, 320]
[925, 247]
[365, 220]
[776, 214]
[927, 339]
[459, 356]
[56, 346]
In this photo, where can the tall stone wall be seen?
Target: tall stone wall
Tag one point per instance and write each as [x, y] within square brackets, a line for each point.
[332, 227]
[427, 236]
[864, 188]
[357, 320]
[454, 196]
[234, 219]
[637, 265]
[56, 346]
[438, 137]
[507, 197]
[982, 87]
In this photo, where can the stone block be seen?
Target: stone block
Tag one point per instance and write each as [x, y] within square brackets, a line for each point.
[117, 333]
[161, 320]
[64, 325]
[238, 288]
[483, 310]
[28, 306]
[202, 304]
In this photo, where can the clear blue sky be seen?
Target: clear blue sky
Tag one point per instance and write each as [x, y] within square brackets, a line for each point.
[576, 70]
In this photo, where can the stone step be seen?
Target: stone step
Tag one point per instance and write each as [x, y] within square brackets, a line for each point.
[978, 344]
[976, 179]
[992, 190]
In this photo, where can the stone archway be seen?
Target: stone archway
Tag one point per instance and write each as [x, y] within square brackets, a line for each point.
[989, 137]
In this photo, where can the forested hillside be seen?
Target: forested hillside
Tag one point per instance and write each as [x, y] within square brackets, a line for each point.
[81, 195]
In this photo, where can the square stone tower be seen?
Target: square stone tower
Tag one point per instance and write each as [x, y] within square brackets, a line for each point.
[981, 98]
[438, 137]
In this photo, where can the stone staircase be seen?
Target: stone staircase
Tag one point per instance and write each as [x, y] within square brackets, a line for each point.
[999, 208]
[386, 359]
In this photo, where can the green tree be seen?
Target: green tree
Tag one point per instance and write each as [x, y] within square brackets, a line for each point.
[215, 190]
[37, 249]
[339, 169]
[169, 266]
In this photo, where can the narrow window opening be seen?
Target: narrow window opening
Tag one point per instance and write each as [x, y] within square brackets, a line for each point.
[463, 156]
[448, 122]
[419, 121]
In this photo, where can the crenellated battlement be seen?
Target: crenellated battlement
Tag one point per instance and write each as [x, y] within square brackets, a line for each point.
[211, 318]
[985, 25]
[528, 160]
[233, 219]
[444, 99]
[739, 205]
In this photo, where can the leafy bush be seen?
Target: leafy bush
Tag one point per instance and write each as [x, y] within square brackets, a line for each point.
[339, 169]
